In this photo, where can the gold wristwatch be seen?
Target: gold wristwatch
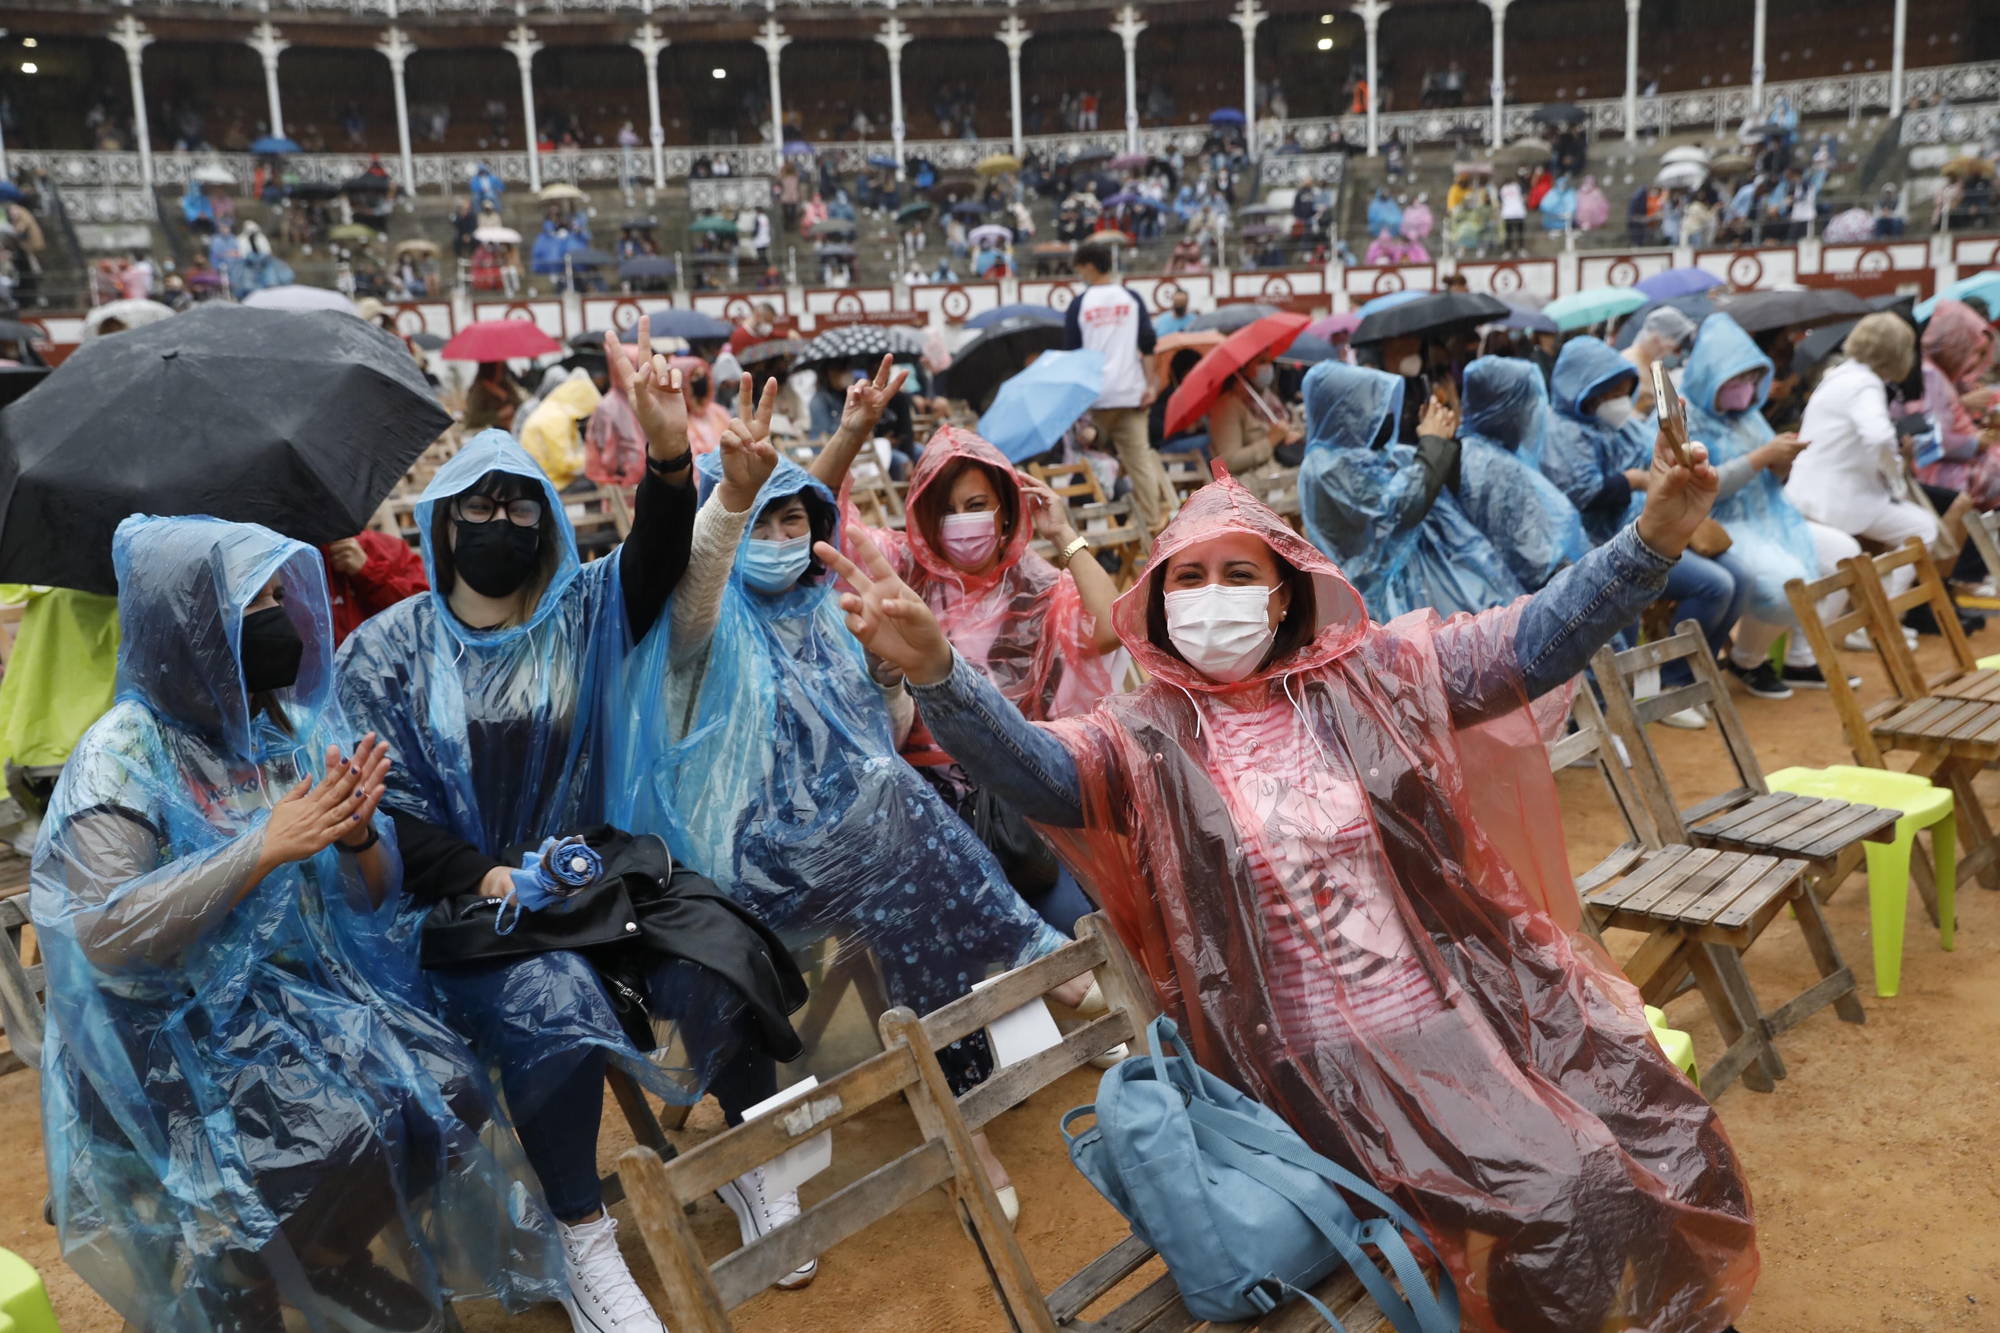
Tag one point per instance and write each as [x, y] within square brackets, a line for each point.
[1068, 553]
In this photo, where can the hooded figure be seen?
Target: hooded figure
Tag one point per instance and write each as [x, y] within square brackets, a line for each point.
[1767, 533]
[241, 1091]
[1384, 214]
[1334, 848]
[1958, 348]
[553, 435]
[1396, 530]
[1529, 521]
[1586, 452]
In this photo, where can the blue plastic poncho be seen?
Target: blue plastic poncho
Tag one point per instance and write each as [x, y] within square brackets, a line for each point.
[1579, 453]
[1384, 214]
[496, 737]
[767, 760]
[234, 1084]
[1766, 532]
[1362, 505]
[1531, 523]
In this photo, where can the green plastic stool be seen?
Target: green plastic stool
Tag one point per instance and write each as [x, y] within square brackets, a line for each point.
[1923, 806]
[24, 1305]
[1678, 1045]
[1988, 663]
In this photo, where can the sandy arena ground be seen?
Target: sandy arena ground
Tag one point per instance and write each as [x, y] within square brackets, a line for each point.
[1878, 1203]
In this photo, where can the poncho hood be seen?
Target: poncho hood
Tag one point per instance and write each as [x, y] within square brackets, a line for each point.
[1346, 405]
[1958, 342]
[787, 479]
[1722, 351]
[1226, 507]
[947, 447]
[1505, 404]
[183, 586]
[1586, 367]
[494, 451]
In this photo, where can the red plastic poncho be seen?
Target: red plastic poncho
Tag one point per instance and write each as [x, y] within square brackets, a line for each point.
[614, 445]
[1022, 622]
[1302, 863]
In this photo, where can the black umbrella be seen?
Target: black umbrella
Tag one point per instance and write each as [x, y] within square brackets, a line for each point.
[1760, 312]
[23, 336]
[313, 190]
[15, 381]
[1229, 318]
[301, 421]
[585, 257]
[689, 324]
[996, 354]
[430, 342]
[1560, 113]
[652, 266]
[366, 184]
[838, 226]
[1825, 340]
[1438, 316]
[757, 353]
[849, 341]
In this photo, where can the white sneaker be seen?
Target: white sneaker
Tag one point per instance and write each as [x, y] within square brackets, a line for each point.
[603, 1298]
[1687, 719]
[757, 1215]
[1857, 641]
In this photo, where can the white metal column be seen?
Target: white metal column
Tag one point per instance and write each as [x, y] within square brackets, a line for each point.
[1631, 70]
[1757, 59]
[772, 38]
[894, 36]
[1128, 27]
[648, 43]
[132, 37]
[1499, 88]
[1371, 12]
[264, 40]
[1014, 35]
[521, 41]
[397, 47]
[1896, 58]
[1249, 18]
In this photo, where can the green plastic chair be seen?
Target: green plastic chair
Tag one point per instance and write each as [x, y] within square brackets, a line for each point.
[1678, 1045]
[1923, 806]
[24, 1305]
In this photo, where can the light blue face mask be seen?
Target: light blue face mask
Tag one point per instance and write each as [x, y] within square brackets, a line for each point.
[772, 567]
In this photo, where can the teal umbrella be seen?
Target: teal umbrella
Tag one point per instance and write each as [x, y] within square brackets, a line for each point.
[1582, 309]
[1032, 410]
[1985, 285]
[714, 222]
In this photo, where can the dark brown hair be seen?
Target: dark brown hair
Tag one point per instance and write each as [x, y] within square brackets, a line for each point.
[1295, 631]
[934, 503]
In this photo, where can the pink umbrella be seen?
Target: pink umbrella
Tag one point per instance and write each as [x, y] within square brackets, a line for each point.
[1333, 326]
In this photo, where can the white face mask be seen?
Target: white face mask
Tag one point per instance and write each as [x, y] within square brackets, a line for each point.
[1222, 632]
[1614, 412]
[1263, 375]
[1410, 366]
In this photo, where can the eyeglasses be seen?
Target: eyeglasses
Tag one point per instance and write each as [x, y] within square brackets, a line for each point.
[484, 509]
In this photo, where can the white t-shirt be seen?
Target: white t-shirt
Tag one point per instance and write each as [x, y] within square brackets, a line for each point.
[1113, 320]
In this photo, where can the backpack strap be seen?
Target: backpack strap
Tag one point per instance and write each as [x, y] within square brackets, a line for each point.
[1074, 1114]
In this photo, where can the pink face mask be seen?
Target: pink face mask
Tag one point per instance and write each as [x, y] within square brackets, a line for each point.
[1736, 395]
[969, 539]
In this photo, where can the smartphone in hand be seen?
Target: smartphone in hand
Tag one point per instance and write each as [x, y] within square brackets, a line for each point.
[1673, 414]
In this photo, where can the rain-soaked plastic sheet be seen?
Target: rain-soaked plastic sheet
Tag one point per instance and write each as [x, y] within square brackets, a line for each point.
[1302, 864]
[1529, 521]
[243, 1091]
[1363, 505]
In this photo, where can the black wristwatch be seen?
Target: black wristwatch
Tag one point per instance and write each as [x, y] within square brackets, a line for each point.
[663, 468]
[374, 836]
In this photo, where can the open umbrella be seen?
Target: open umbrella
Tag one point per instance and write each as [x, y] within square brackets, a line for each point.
[1211, 375]
[691, 325]
[136, 313]
[499, 340]
[311, 191]
[1681, 175]
[1108, 237]
[1229, 318]
[416, 245]
[1034, 408]
[1390, 302]
[640, 224]
[1339, 325]
[998, 351]
[1434, 316]
[837, 227]
[1307, 351]
[1696, 306]
[272, 146]
[298, 299]
[1199, 340]
[213, 173]
[797, 148]
[1685, 153]
[758, 353]
[1225, 115]
[713, 223]
[988, 318]
[585, 257]
[1966, 167]
[1759, 312]
[496, 236]
[10, 193]
[878, 160]
[834, 251]
[365, 184]
[1524, 153]
[1129, 199]
[1528, 318]
[646, 268]
[1260, 229]
[1130, 162]
[844, 343]
[991, 231]
[352, 233]
[561, 193]
[1472, 168]
[1560, 113]
[299, 422]
[1730, 164]
[919, 208]
[1676, 282]
[1089, 155]
[430, 342]
[1984, 285]
[969, 208]
[998, 164]
[1594, 305]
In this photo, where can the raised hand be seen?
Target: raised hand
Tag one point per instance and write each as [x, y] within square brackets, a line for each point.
[866, 399]
[1047, 511]
[1678, 497]
[657, 395]
[371, 757]
[312, 816]
[1437, 418]
[748, 456]
[891, 621]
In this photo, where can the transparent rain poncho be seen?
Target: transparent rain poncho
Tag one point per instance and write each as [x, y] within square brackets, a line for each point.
[1364, 506]
[767, 760]
[1530, 522]
[235, 1096]
[1345, 878]
[1022, 623]
[1766, 530]
[496, 737]
[1578, 451]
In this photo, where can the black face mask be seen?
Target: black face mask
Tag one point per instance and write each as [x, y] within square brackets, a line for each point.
[272, 650]
[496, 558]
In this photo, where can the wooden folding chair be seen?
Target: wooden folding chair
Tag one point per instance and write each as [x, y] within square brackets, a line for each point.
[1108, 525]
[1982, 529]
[1591, 739]
[1705, 896]
[1156, 1307]
[1186, 474]
[1951, 739]
[22, 985]
[1965, 678]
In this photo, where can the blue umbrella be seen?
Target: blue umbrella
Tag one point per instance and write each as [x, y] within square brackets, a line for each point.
[10, 193]
[994, 316]
[1390, 302]
[798, 148]
[1528, 318]
[879, 161]
[1984, 285]
[1677, 282]
[689, 324]
[273, 144]
[1227, 115]
[1128, 199]
[966, 208]
[1307, 350]
[1032, 410]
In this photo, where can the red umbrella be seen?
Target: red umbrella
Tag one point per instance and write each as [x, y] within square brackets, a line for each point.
[1205, 383]
[499, 340]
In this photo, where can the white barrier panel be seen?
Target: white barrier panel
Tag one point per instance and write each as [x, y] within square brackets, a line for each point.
[1057, 295]
[1158, 293]
[1748, 270]
[544, 315]
[1509, 277]
[1974, 253]
[959, 301]
[1626, 270]
[1363, 281]
[850, 301]
[1276, 286]
[735, 307]
[413, 317]
[622, 312]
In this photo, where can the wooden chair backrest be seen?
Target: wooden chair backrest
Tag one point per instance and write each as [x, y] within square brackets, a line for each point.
[21, 985]
[1592, 739]
[1628, 717]
[1983, 531]
[1822, 635]
[1886, 612]
[1071, 480]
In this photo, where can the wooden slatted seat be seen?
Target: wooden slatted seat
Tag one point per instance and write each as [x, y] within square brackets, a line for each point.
[1108, 524]
[1964, 678]
[1950, 739]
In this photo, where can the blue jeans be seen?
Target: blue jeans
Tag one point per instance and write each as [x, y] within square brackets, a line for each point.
[1713, 593]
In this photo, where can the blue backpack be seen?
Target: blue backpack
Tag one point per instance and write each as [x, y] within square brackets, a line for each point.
[1244, 1214]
